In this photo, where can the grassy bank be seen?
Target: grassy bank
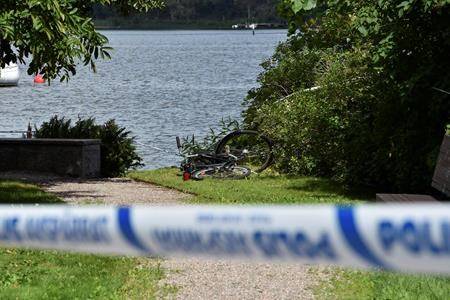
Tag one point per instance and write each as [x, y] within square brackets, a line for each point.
[273, 189]
[278, 189]
[26, 274]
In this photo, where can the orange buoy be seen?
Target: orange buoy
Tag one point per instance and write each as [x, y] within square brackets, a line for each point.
[39, 79]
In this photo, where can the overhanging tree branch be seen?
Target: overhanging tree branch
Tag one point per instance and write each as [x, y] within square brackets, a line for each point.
[57, 34]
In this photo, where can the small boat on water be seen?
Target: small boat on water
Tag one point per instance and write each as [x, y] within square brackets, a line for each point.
[9, 75]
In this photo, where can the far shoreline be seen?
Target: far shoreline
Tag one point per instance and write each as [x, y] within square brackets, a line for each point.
[183, 29]
[107, 25]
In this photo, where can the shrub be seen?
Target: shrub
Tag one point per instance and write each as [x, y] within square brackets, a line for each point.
[192, 144]
[316, 129]
[118, 153]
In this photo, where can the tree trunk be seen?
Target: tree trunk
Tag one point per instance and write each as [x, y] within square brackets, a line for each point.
[5, 52]
[1, 53]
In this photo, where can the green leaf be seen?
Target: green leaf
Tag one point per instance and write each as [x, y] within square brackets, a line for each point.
[363, 30]
[298, 5]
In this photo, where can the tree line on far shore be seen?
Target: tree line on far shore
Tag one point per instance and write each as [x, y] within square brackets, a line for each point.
[204, 13]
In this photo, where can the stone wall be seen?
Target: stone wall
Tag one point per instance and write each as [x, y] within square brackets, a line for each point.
[65, 157]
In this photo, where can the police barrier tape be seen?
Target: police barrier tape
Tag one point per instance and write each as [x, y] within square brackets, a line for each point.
[408, 238]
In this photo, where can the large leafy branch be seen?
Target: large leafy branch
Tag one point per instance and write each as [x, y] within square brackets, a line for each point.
[382, 23]
[56, 34]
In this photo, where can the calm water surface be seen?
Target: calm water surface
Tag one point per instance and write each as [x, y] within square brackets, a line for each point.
[159, 84]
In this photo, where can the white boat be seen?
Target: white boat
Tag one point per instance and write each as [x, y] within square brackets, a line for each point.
[9, 76]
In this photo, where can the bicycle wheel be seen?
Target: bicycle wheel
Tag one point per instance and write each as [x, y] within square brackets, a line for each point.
[203, 173]
[250, 147]
[233, 172]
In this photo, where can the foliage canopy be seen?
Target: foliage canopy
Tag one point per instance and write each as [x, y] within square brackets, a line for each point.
[56, 33]
[376, 118]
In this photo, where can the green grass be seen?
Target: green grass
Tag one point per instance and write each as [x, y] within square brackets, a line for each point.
[54, 275]
[352, 284]
[17, 192]
[26, 274]
[279, 189]
[273, 189]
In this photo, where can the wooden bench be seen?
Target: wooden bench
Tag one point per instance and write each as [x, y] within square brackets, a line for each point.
[441, 179]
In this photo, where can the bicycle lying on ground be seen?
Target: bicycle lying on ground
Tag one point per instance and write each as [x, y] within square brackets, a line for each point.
[235, 156]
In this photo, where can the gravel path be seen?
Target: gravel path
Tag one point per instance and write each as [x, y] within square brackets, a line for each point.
[195, 279]
[115, 191]
[200, 279]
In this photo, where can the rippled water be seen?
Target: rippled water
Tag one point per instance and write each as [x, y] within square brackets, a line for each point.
[159, 84]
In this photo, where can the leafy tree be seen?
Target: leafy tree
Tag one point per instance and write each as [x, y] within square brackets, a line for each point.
[56, 33]
[377, 118]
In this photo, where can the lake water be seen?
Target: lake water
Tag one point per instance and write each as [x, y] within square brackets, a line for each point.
[159, 84]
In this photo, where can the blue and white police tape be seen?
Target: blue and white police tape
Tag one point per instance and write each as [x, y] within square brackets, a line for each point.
[407, 238]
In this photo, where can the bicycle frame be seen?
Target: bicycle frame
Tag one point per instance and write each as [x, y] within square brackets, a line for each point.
[205, 160]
